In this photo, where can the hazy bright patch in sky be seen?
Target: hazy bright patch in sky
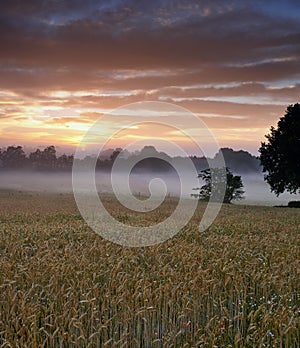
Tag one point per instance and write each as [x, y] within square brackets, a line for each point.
[63, 64]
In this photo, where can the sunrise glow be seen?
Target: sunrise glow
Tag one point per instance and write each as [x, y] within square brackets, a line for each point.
[235, 65]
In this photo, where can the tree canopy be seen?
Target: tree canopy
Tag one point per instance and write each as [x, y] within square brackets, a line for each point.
[234, 184]
[280, 155]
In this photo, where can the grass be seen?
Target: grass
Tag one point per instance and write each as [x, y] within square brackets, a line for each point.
[61, 285]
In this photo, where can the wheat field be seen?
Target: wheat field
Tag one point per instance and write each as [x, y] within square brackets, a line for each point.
[62, 285]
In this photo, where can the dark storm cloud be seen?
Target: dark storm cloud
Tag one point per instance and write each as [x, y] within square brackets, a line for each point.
[140, 34]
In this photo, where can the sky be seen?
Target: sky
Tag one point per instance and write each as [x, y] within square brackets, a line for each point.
[65, 63]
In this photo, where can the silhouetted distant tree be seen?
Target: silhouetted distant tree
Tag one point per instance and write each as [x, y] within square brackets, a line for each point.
[35, 159]
[1, 161]
[115, 154]
[13, 157]
[49, 156]
[149, 151]
[150, 160]
[280, 155]
[65, 162]
[239, 161]
[234, 185]
[44, 160]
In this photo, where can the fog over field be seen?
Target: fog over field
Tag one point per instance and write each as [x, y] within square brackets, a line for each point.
[256, 190]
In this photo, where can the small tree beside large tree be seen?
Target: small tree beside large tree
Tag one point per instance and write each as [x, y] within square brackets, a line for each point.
[234, 185]
[280, 155]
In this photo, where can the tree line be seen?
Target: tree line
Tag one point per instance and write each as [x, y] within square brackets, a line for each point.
[47, 159]
[14, 157]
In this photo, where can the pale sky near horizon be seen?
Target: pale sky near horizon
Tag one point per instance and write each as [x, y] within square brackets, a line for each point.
[63, 64]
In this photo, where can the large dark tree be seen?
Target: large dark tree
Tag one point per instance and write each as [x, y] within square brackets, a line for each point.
[234, 185]
[280, 155]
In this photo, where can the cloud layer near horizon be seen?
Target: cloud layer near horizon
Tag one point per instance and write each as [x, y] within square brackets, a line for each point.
[62, 63]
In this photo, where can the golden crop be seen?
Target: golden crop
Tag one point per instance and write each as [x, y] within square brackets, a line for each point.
[61, 285]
